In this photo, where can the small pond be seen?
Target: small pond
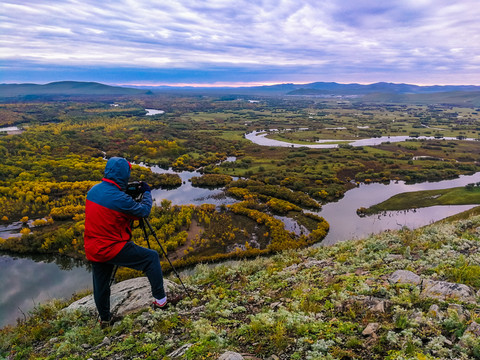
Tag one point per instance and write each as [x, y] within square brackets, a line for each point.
[10, 130]
[151, 112]
[27, 281]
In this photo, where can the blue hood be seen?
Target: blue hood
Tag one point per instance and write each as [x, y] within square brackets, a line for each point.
[118, 170]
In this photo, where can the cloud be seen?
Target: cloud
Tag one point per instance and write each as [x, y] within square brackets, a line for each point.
[348, 37]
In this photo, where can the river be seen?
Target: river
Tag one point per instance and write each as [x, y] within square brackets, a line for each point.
[259, 138]
[27, 281]
[346, 224]
[11, 130]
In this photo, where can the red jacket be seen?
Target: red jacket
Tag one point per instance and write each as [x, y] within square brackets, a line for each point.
[109, 211]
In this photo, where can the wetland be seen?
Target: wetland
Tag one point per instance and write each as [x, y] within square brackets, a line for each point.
[275, 196]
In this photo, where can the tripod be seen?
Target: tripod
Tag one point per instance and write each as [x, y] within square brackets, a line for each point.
[142, 223]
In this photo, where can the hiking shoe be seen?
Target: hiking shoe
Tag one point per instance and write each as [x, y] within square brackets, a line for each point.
[171, 301]
[108, 323]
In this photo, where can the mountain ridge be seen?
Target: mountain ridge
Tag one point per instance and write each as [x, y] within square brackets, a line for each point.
[65, 88]
[379, 92]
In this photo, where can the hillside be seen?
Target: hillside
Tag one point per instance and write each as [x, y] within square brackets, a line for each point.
[65, 88]
[396, 295]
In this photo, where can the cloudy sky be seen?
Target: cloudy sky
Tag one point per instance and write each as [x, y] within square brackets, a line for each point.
[241, 42]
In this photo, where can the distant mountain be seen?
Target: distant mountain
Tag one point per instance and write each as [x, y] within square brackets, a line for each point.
[377, 92]
[331, 88]
[65, 88]
[317, 89]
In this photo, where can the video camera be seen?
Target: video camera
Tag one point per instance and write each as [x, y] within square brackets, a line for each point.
[134, 189]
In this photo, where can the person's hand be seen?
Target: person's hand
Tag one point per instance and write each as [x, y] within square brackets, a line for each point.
[145, 187]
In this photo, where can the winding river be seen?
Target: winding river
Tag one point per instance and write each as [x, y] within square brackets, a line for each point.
[260, 138]
[342, 216]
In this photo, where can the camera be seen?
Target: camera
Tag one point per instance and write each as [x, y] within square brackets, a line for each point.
[134, 189]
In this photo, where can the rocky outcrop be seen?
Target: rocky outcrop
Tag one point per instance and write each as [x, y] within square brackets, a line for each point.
[127, 296]
[230, 355]
[441, 290]
[405, 277]
[444, 290]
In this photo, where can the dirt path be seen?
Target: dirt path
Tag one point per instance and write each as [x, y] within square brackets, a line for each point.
[194, 230]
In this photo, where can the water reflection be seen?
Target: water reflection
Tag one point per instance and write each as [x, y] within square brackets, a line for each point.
[342, 215]
[187, 193]
[26, 282]
[346, 224]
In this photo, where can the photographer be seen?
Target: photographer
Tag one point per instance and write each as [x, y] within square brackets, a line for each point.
[109, 212]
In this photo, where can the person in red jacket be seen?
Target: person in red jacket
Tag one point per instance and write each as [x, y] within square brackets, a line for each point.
[109, 212]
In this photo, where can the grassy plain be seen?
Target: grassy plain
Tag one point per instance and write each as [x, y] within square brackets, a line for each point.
[418, 199]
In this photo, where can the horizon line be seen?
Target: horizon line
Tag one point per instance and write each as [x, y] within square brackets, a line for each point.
[253, 84]
[233, 84]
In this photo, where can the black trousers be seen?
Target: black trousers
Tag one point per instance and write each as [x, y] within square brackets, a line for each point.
[131, 256]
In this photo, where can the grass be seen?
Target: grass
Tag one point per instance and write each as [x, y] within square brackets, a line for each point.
[308, 304]
[426, 198]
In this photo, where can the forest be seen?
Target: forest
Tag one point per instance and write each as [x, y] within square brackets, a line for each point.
[60, 149]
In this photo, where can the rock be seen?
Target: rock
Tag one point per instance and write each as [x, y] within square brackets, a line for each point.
[180, 351]
[376, 304]
[417, 317]
[275, 304]
[441, 290]
[291, 268]
[126, 297]
[474, 329]
[371, 329]
[106, 341]
[230, 355]
[380, 307]
[373, 304]
[434, 311]
[317, 263]
[404, 277]
[457, 310]
[444, 290]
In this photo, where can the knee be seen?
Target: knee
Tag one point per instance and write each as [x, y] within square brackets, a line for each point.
[153, 256]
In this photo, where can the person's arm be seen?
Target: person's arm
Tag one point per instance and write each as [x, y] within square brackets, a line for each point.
[138, 209]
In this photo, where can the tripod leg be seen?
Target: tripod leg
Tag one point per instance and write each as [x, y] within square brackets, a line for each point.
[145, 235]
[164, 253]
[112, 277]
